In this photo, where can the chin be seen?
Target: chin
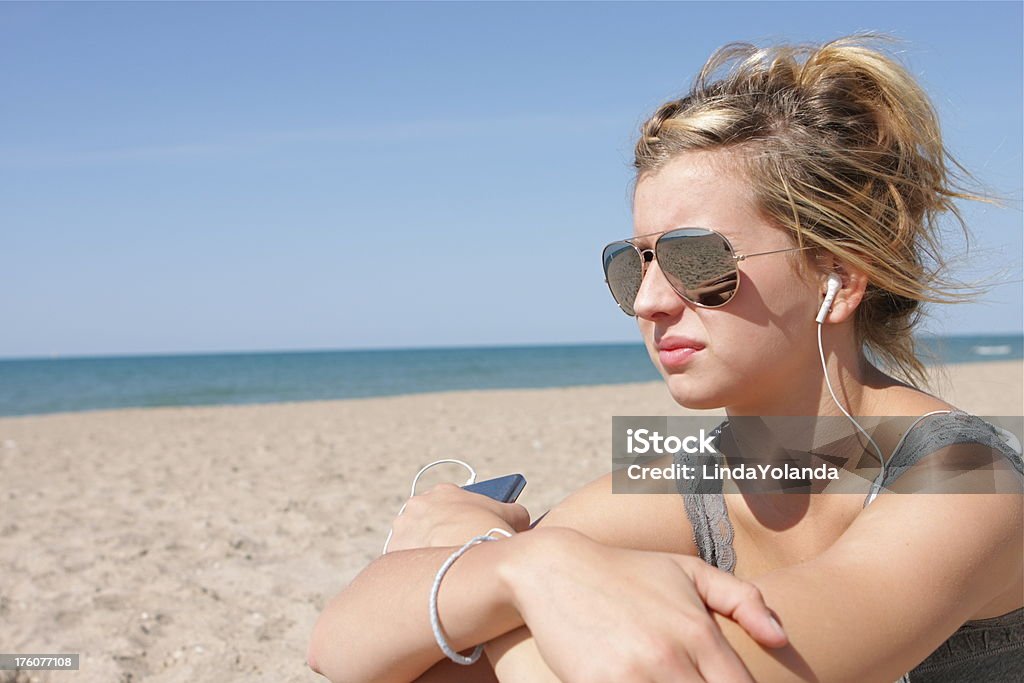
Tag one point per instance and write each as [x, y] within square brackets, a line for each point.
[692, 394]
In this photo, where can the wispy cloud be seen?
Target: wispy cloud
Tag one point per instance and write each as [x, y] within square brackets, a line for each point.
[234, 145]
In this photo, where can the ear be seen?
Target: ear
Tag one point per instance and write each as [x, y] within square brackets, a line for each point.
[849, 296]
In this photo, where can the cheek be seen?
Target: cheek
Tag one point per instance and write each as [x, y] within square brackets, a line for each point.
[779, 298]
[748, 350]
[742, 342]
[765, 331]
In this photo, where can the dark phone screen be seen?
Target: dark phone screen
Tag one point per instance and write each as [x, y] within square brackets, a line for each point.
[505, 489]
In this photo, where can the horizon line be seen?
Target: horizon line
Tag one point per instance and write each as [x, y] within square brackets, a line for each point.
[441, 347]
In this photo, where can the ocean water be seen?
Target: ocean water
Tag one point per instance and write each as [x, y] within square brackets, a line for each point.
[33, 386]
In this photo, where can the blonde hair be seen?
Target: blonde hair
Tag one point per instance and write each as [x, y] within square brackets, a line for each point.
[842, 147]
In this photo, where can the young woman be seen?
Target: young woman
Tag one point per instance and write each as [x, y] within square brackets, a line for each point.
[785, 230]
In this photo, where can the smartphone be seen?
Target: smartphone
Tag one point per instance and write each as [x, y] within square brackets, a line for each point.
[505, 489]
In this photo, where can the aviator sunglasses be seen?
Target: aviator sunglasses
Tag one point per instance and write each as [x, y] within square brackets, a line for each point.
[699, 263]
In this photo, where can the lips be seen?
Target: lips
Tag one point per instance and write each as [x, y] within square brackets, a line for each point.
[673, 343]
[675, 352]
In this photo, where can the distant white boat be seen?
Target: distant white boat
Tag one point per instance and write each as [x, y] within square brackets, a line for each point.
[1000, 350]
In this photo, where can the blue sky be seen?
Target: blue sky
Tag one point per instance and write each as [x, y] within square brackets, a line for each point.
[186, 177]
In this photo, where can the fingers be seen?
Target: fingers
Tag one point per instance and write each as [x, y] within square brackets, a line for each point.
[695, 652]
[701, 659]
[515, 514]
[717, 661]
[739, 600]
[447, 515]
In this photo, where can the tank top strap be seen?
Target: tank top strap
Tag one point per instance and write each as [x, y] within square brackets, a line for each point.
[935, 431]
[705, 508]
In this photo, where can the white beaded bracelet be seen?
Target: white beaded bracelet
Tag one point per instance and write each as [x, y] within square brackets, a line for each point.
[435, 619]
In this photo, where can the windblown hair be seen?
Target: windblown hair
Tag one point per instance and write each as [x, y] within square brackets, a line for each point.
[842, 147]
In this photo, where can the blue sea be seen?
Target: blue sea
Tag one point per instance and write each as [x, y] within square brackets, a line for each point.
[33, 386]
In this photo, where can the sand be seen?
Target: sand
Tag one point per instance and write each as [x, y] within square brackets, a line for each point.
[199, 544]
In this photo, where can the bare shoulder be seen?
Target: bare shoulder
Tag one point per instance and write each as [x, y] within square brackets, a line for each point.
[897, 399]
[952, 517]
[642, 521]
[909, 571]
[893, 396]
[901, 399]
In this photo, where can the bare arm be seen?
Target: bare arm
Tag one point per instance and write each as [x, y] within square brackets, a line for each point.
[476, 602]
[656, 522]
[906, 575]
[875, 604]
[473, 602]
[447, 671]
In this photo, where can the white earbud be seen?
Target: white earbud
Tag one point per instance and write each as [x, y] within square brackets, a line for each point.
[835, 283]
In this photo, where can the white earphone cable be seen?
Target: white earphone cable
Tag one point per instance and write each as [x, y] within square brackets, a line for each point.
[828, 383]
[876, 486]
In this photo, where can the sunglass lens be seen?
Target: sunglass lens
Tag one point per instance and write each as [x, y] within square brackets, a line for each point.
[623, 270]
[699, 264]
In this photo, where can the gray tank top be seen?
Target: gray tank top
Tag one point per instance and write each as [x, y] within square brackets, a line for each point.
[979, 651]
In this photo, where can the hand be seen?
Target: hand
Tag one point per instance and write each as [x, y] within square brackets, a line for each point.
[604, 614]
[448, 515]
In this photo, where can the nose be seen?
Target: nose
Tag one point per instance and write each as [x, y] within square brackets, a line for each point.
[656, 297]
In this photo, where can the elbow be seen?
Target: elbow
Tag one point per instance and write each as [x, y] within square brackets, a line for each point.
[311, 658]
[322, 665]
[335, 663]
[313, 654]
[324, 662]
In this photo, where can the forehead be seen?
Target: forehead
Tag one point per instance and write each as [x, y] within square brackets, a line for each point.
[697, 189]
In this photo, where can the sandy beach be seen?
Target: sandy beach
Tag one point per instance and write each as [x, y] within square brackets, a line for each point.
[199, 544]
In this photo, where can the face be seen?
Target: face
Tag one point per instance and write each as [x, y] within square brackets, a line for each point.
[741, 354]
